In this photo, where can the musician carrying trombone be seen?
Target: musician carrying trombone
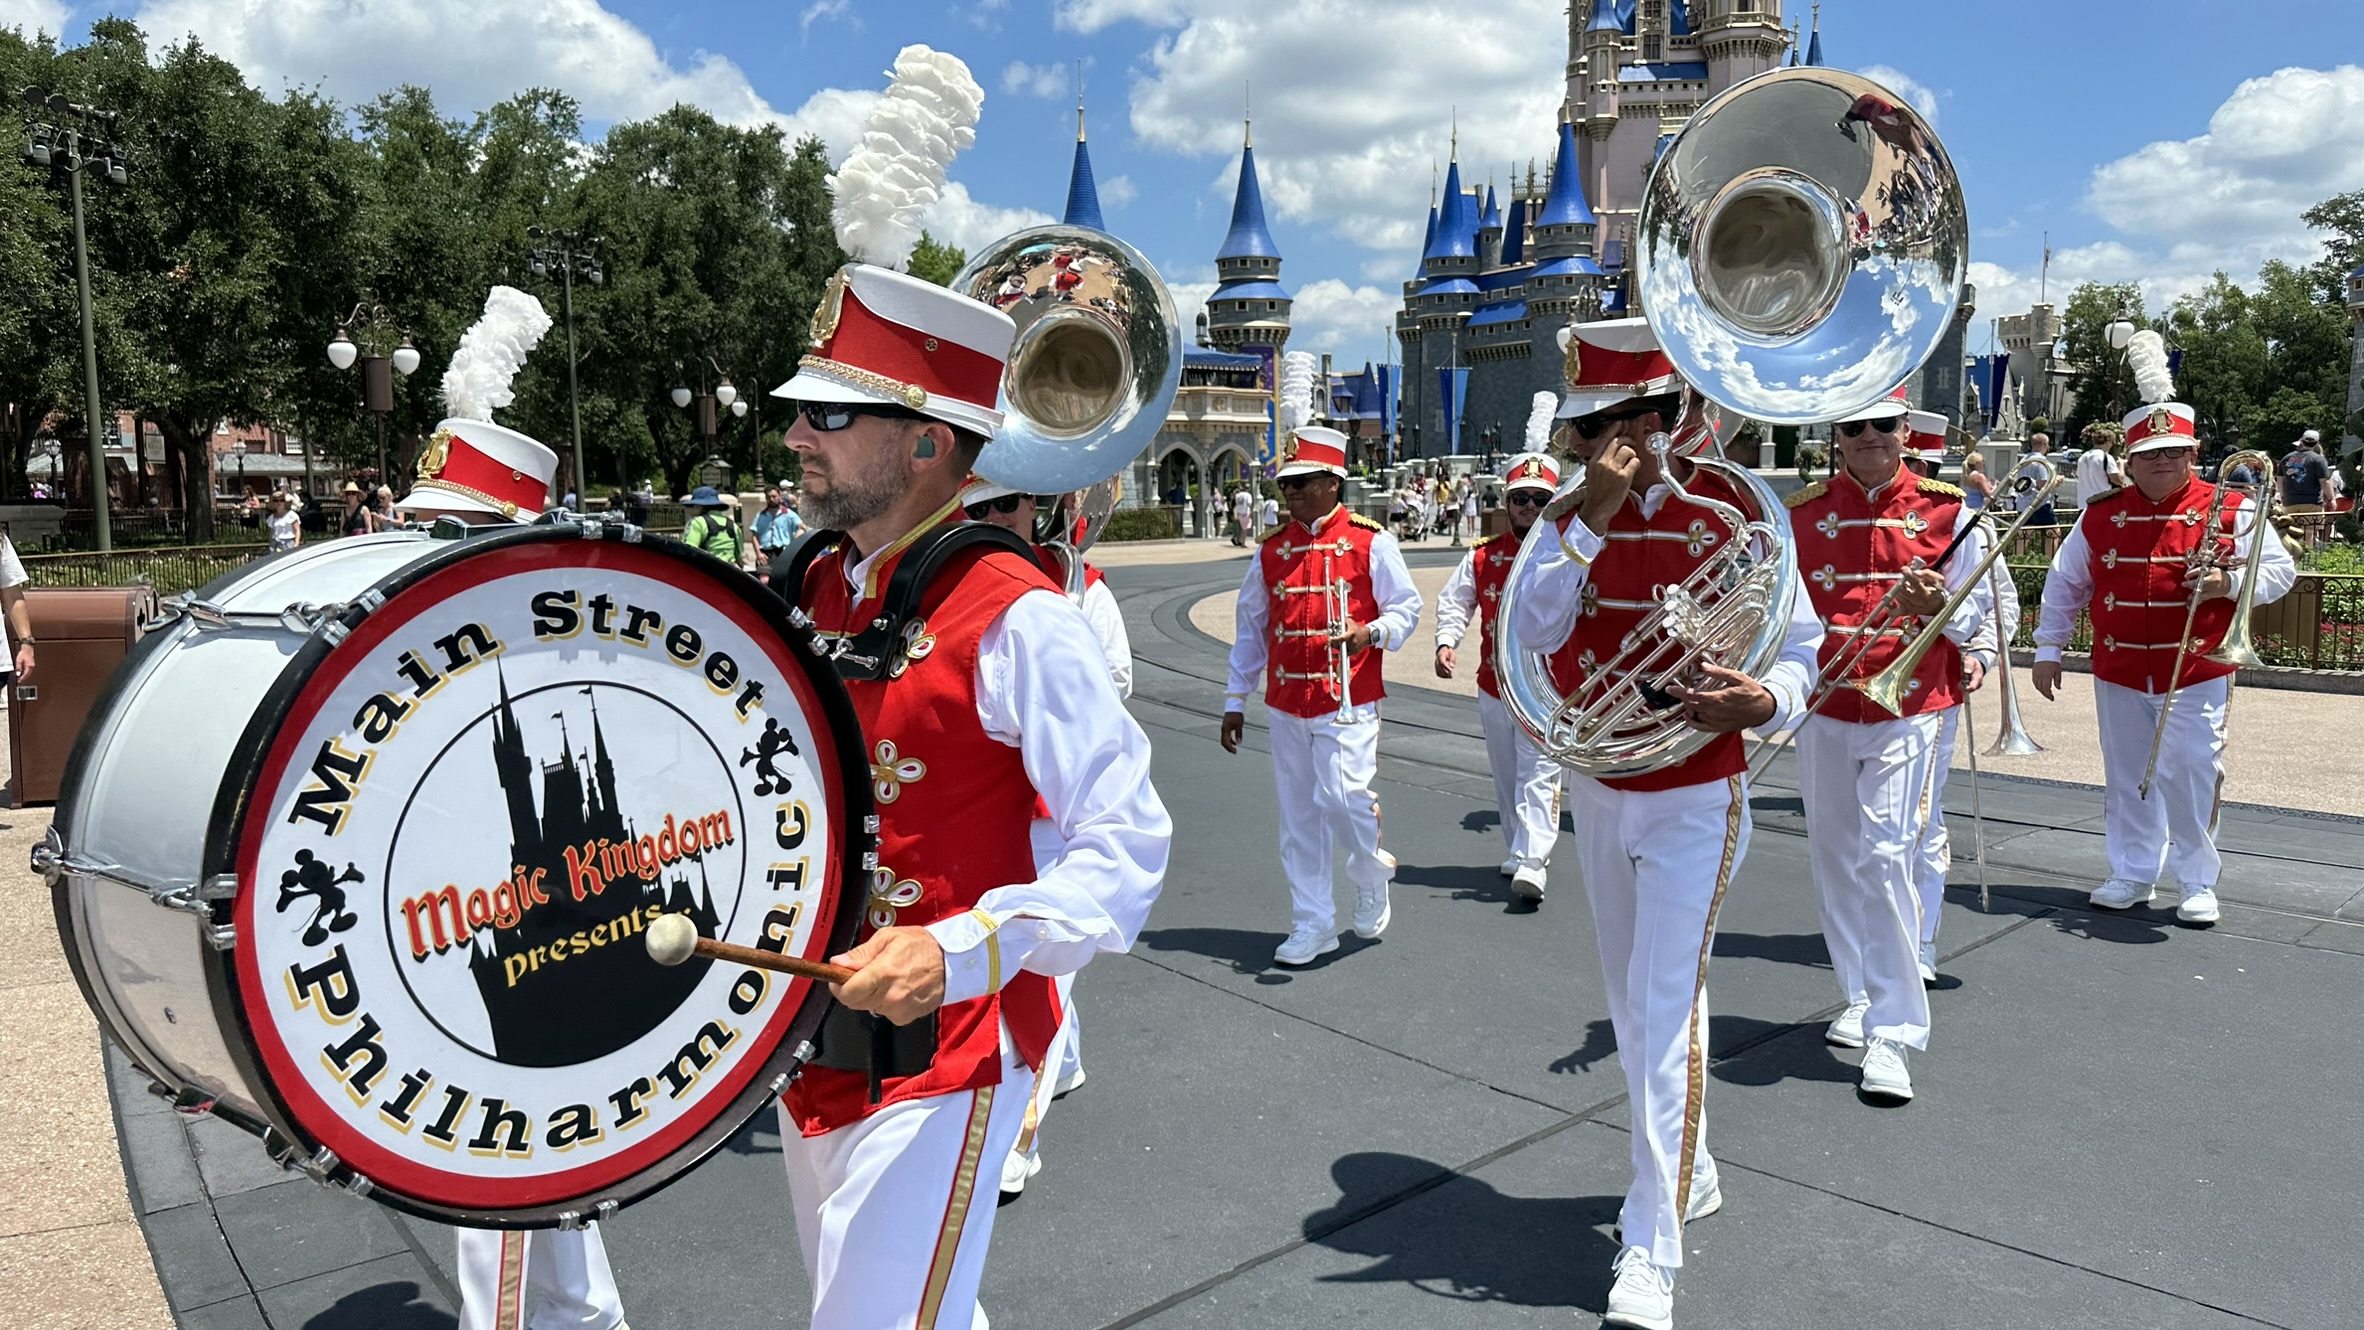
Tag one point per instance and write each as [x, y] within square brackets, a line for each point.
[1880, 549]
[2169, 566]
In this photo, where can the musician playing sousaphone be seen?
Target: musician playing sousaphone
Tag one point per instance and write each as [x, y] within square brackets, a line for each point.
[1869, 542]
[984, 698]
[2165, 565]
[1657, 849]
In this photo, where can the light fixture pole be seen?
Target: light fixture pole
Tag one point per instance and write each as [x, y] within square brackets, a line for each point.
[570, 252]
[378, 368]
[2120, 332]
[66, 147]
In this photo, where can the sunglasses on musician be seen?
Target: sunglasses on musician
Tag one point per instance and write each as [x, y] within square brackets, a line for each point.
[1599, 423]
[1526, 498]
[1303, 479]
[1854, 429]
[1006, 504]
[830, 417]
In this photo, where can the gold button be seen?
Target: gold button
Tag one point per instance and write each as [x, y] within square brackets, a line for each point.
[517, 475]
[931, 344]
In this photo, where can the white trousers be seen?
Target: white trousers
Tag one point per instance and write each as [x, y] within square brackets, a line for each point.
[894, 1212]
[1526, 786]
[2176, 827]
[1324, 770]
[1063, 1059]
[1656, 864]
[1933, 855]
[1862, 785]
[543, 1279]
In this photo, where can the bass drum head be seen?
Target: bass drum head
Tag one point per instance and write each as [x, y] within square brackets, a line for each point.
[452, 827]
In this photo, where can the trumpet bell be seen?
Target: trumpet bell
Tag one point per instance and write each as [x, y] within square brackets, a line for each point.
[1096, 362]
[1802, 245]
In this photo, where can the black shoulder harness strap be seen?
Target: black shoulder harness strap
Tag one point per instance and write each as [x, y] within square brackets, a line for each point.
[876, 652]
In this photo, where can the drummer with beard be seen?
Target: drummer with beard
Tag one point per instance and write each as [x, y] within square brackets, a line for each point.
[991, 700]
[1658, 849]
[483, 474]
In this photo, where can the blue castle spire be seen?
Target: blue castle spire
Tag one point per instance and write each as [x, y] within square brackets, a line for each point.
[1490, 219]
[1456, 221]
[1083, 196]
[1248, 237]
[1814, 43]
[1514, 236]
[1565, 205]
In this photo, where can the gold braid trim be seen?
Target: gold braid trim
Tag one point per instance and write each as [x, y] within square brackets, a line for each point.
[909, 394]
[502, 506]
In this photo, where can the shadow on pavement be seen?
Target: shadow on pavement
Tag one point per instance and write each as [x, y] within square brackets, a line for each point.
[1806, 949]
[1777, 1051]
[1466, 1241]
[389, 1306]
[2135, 926]
[1600, 1044]
[1483, 883]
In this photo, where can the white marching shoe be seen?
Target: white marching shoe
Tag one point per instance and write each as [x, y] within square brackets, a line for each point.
[1929, 965]
[2198, 907]
[1510, 866]
[1068, 1084]
[1372, 910]
[1305, 944]
[1847, 1030]
[2120, 894]
[1884, 1073]
[1016, 1169]
[1527, 885]
[1643, 1296]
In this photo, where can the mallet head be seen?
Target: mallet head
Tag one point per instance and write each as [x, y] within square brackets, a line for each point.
[671, 939]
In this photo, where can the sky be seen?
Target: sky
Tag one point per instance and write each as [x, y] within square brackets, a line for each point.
[2148, 140]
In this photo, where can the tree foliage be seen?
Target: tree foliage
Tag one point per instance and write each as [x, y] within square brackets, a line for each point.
[935, 262]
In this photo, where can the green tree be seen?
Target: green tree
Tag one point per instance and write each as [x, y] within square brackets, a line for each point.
[933, 262]
[2306, 335]
[2102, 384]
[2342, 215]
[2224, 355]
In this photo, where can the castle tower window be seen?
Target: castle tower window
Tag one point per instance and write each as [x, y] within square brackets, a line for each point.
[1653, 47]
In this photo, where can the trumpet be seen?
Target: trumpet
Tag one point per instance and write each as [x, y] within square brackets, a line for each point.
[2237, 648]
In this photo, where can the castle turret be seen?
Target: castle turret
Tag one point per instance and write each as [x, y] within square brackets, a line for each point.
[1249, 306]
[1740, 41]
[1489, 233]
[1083, 196]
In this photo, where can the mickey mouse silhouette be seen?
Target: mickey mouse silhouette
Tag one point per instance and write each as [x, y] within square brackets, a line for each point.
[313, 878]
[774, 740]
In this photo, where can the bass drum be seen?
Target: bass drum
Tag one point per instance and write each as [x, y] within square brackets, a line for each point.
[357, 851]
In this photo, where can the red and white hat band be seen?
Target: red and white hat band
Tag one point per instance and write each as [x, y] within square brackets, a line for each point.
[1531, 472]
[1302, 452]
[2166, 425]
[456, 465]
[863, 342]
[1601, 369]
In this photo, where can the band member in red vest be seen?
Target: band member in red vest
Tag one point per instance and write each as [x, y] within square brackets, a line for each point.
[1526, 783]
[986, 702]
[1010, 510]
[2130, 560]
[1933, 855]
[1323, 596]
[1873, 530]
[1657, 849]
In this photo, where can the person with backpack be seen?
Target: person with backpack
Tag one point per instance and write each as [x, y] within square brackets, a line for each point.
[712, 528]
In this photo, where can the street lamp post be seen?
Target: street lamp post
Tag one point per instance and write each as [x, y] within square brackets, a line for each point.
[238, 450]
[66, 146]
[377, 368]
[2120, 332]
[570, 252]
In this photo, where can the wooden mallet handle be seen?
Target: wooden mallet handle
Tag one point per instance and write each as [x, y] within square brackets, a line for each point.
[672, 939]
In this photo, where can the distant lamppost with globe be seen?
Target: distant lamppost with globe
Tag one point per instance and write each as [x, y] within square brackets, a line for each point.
[379, 363]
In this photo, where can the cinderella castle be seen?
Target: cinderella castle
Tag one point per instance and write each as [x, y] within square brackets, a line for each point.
[1499, 278]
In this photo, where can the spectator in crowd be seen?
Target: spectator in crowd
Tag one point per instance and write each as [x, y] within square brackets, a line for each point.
[1469, 508]
[2039, 444]
[354, 521]
[19, 659]
[712, 528]
[1978, 488]
[2303, 474]
[2098, 468]
[383, 509]
[777, 526]
[1271, 512]
[282, 525]
[1243, 515]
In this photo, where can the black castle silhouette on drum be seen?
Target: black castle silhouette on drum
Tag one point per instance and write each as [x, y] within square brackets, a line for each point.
[600, 997]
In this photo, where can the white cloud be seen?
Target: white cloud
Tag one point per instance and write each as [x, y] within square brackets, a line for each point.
[959, 220]
[1117, 191]
[33, 16]
[836, 115]
[1904, 85]
[1352, 323]
[1351, 101]
[1034, 80]
[1093, 15]
[824, 9]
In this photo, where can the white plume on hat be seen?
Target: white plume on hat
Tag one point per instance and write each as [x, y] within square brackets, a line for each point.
[2146, 355]
[929, 114]
[1547, 405]
[1298, 370]
[491, 353]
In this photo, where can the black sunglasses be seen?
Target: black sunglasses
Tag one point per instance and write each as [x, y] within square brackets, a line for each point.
[1007, 503]
[1854, 429]
[1526, 498]
[1297, 481]
[1597, 424]
[830, 417]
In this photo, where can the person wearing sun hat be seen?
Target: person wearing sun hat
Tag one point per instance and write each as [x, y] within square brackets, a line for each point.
[2135, 559]
[1323, 595]
[1526, 782]
[984, 700]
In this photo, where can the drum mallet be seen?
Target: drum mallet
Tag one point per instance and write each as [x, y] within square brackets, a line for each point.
[672, 939]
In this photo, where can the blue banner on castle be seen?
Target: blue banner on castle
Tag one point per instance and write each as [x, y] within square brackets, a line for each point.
[1990, 375]
[1452, 383]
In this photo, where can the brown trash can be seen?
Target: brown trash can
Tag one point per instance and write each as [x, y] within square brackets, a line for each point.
[81, 635]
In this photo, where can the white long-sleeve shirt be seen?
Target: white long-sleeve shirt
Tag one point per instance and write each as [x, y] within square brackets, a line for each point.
[1108, 624]
[1391, 586]
[1456, 605]
[1043, 688]
[2068, 588]
[1551, 592]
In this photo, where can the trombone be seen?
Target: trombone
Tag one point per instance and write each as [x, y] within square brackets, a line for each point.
[1341, 671]
[2014, 740]
[2236, 649]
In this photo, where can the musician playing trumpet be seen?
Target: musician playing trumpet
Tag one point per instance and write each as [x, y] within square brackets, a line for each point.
[2168, 551]
[1869, 543]
[1323, 596]
[1658, 849]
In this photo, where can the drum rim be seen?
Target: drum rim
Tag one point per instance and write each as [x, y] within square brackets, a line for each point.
[235, 798]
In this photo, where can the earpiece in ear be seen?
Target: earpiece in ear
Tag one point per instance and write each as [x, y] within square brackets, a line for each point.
[926, 447]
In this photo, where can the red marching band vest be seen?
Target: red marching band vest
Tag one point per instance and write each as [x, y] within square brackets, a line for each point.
[1641, 556]
[953, 808]
[1300, 669]
[2141, 551]
[1851, 546]
[1491, 559]
[1053, 569]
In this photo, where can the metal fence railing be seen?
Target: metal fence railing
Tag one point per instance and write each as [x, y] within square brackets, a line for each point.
[2319, 625]
[171, 569]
